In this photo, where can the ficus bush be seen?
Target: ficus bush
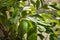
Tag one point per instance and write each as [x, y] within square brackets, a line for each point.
[19, 21]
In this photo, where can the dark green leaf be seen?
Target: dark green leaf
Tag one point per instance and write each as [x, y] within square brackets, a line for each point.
[33, 2]
[37, 4]
[55, 7]
[53, 37]
[41, 36]
[24, 13]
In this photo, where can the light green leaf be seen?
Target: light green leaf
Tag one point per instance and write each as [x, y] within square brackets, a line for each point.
[41, 28]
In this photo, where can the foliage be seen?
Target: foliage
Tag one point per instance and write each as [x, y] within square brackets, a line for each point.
[18, 20]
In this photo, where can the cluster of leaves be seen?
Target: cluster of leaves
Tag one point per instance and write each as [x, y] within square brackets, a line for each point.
[18, 21]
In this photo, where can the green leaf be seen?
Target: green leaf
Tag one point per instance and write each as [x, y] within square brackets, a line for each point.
[54, 7]
[58, 12]
[38, 21]
[53, 37]
[14, 20]
[42, 3]
[22, 29]
[43, 23]
[33, 37]
[37, 4]
[24, 13]
[53, 24]
[33, 2]
[41, 36]
[1, 14]
[24, 25]
[32, 31]
[33, 19]
[15, 13]
[45, 6]
[48, 30]
[41, 28]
